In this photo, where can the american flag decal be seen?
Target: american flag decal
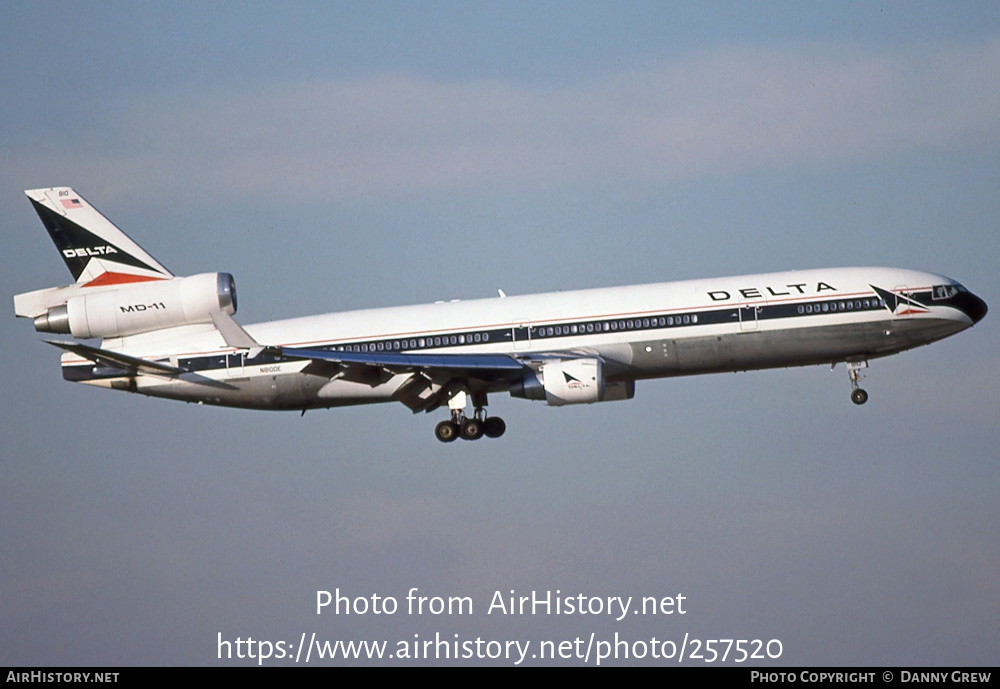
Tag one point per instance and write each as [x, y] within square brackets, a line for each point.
[71, 203]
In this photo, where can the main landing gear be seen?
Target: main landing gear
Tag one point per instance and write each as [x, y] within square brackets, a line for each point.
[472, 428]
[469, 428]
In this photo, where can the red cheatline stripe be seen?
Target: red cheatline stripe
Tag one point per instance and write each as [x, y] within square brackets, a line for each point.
[110, 278]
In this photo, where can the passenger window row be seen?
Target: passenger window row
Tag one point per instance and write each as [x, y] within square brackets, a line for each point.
[613, 326]
[828, 306]
[416, 343]
[584, 328]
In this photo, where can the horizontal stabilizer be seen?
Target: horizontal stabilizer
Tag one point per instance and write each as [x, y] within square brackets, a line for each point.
[116, 359]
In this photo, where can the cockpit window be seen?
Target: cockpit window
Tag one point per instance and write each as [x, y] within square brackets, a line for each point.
[946, 291]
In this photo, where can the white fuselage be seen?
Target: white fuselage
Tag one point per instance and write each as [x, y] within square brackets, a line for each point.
[641, 331]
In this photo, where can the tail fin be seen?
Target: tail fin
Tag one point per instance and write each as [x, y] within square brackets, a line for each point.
[96, 252]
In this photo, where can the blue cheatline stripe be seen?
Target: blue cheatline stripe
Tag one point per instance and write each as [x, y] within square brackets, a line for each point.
[410, 349]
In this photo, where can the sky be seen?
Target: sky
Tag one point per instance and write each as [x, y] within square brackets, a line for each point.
[337, 156]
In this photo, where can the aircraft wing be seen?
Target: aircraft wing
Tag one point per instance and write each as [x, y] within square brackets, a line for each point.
[434, 377]
[371, 366]
[487, 366]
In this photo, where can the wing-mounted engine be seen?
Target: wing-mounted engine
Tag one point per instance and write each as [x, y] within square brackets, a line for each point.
[142, 307]
[572, 381]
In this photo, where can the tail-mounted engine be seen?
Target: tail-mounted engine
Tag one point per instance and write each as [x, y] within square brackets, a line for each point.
[139, 308]
[572, 381]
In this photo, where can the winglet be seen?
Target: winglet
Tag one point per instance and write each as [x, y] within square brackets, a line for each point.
[234, 335]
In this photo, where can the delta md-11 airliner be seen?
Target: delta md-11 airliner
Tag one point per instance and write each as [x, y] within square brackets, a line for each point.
[175, 337]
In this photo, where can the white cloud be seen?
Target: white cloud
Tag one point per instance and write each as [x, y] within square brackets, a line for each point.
[724, 111]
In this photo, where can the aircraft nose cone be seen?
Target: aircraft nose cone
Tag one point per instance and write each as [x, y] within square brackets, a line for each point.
[972, 306]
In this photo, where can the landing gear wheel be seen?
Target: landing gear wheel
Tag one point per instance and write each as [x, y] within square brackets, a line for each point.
[494, 427]
[854, 368]
[446, 431]
[472, 429]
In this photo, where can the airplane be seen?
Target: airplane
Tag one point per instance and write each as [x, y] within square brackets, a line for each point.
[175, 337]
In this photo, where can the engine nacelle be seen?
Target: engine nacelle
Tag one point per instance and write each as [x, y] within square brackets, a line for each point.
[572, 381]
[140, 308]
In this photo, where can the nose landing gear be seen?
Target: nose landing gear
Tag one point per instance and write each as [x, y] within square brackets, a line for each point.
[858, 396]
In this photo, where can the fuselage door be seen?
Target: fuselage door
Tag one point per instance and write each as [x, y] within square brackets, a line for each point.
[901, 307]
[521, 334]
[235, 363]
[749, 312]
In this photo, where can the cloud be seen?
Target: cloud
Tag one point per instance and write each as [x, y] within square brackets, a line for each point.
[718, 112]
